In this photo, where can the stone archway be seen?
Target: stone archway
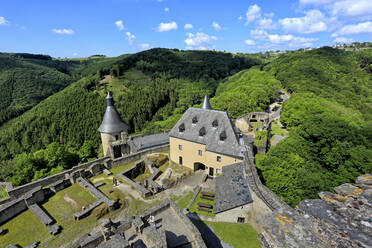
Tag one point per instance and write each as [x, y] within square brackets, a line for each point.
[199, 166]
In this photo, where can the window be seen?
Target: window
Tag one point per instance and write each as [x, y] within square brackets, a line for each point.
[116, 137]
[241, 220]
[180, 161]
[200, 152]
[181, 128]
[202, 131]
[194, 120]
[218, 158]
[223, 135]
[180, 147]
[218, 171]
[215, 123]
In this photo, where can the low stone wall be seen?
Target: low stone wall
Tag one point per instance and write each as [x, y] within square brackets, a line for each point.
[15, 207]
[137, 156]
[197, 190]
[87, 211]
[20, 190]
[145, 192]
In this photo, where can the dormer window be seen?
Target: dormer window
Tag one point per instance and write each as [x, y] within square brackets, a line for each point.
[181, 128]
[202, 132]
[194, 120]
[223, 135]
[215, 123]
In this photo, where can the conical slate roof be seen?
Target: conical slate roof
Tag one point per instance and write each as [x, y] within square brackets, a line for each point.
[206, 104]
[112, 122]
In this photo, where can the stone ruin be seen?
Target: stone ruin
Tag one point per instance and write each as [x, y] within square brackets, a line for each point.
[173, 229]
[342, 219]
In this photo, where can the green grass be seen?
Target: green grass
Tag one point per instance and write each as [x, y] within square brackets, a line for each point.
[137, 206]
[260, 137]
[183, 201]
[276, 130]
[23, 230]
[258, 158]
[118, 169]
[255, 124]
[3, 192]
[237, 235]
[194, 206]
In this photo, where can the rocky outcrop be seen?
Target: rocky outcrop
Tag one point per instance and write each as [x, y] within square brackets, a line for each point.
[341, 219]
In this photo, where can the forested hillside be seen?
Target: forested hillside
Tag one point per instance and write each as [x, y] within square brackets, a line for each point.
[329, 114]
[25, 81]
[149, 87]
[329, 118]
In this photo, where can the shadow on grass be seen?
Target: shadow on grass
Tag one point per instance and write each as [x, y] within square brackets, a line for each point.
[209, 237]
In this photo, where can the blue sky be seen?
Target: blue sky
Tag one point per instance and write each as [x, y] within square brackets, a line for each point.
[78, 28]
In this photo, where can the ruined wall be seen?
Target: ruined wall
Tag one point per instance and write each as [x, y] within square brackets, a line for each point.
[20, 190]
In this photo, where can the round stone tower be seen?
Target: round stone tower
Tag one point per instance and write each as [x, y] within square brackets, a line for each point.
[112, 128]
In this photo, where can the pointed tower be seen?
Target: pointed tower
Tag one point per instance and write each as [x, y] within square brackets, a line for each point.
[112, 128]
[206, 104]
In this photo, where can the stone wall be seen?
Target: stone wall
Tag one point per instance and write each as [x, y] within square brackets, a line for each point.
[15, 207]
[138, 155]
[20, 190]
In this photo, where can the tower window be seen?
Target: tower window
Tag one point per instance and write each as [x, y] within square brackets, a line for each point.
[180, 147]
[202, 131]
[241, 220]
[215, 123]
[181, 128]
[194, 120]
[200, 152]
[116, 137]
[223, 135]
[218, 158]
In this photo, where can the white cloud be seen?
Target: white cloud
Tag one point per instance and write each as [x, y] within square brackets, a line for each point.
[259, 34]
[277, 39]
[166, 9]
[240, 18]
[343, 40]
[63, 31]
[313, 21]
[130, 37]
[360, 28]
[315, 2]
[269, 15]
[164, 27]
[3, 21]
[253, 13]
[216, 26]
[199, 41]
[288, 38]
[188, 26]
[249, 42]
[353, 8]
[144, 46]
[266, 23]
[120, 25]
[75, 54]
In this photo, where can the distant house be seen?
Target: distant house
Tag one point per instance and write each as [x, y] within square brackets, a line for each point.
[205, 139]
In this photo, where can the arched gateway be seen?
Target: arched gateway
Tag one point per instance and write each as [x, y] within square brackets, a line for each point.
[199, 166]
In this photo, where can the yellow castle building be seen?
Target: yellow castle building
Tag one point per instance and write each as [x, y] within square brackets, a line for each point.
[205, 139]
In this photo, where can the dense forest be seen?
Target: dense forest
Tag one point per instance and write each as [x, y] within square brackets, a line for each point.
[329, 114]
[149, 87]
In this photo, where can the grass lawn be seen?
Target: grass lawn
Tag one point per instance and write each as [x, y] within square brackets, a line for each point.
[237, 235]
[137, 206]
[194, 206]
[23, 230]
[183, 201]
[276, 130]
[3, 192]
[260, 137]
[118, 169]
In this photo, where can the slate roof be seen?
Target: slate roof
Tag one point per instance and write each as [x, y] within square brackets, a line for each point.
[112, 122]
[206, 104]
[144, 142]
[231, 189]
[205, 118]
